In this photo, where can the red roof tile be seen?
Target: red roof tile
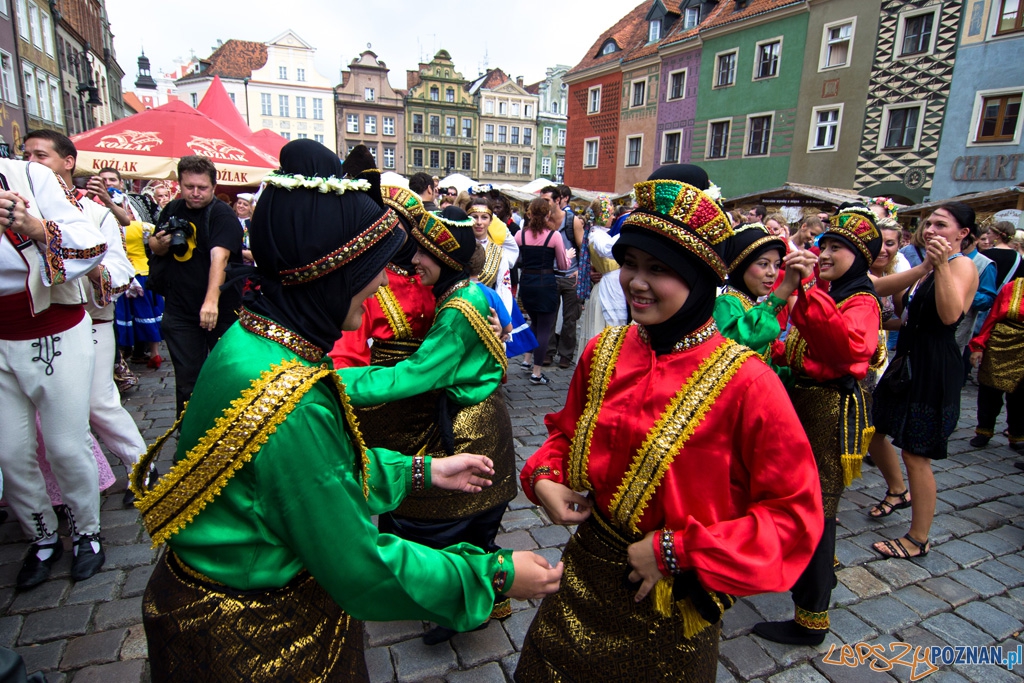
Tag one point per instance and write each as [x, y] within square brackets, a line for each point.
[728, 13]
[233, 59]
[629, 32]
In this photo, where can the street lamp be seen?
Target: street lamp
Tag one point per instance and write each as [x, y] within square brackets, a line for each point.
[88, 93]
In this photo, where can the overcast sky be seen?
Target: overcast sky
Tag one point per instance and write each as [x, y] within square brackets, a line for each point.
[522, 37]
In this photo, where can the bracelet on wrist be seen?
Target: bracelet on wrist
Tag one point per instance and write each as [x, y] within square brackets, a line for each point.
[418, 468]
[668, 551]
[500, 576]
[540, 471]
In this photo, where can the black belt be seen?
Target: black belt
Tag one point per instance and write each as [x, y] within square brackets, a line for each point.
[541, 271]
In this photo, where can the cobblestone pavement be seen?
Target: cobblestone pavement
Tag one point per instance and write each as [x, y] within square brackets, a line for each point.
[968, 591]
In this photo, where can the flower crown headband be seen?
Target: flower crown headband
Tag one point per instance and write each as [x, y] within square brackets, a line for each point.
[290, 181]
[888, 204]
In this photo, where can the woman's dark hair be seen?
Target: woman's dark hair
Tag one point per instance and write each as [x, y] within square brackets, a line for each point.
[482, 201]
[963, 214]
[1003, 231]
[477, 261]
[538, 213]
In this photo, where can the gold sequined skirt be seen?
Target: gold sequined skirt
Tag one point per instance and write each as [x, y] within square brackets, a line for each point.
[484, 428]
[818, 407]
[593, 630]
[199, 631]
[1002, 366]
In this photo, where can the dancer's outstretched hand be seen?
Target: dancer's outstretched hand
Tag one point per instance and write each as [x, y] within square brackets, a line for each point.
[534, 578]
[464, 472]
[563, 505]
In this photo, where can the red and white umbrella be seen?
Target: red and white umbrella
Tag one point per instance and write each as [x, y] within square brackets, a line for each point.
[148, 145]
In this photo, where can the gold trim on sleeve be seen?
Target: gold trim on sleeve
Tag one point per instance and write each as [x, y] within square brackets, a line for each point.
[489, 274]
[393, 311]
[481, 327]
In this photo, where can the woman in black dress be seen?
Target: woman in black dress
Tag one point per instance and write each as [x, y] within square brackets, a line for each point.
[920, 410]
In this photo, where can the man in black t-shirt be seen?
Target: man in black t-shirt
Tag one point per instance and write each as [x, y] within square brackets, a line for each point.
[197, 313]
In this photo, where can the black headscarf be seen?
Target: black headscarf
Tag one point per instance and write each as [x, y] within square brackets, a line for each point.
[701, 279]
[734, 247]
[293, 228]
[855, 280]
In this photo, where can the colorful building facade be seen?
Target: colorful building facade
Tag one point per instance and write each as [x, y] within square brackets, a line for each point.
[441, 121]
[370, 112]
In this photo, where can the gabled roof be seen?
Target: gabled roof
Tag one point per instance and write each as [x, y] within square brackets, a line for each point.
[627, 33]
[134, 102]
[234, 59]
[727, 12]
[533, 88]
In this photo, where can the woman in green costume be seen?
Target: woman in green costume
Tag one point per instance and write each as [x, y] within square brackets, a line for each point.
[272, 557]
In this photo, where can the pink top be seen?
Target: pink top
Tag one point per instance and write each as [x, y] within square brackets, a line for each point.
[555, 243]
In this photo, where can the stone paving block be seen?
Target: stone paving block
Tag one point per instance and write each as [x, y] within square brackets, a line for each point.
[723, 675]
[118, 613]
[983, 585]
[949, 590]
[520, 502]
[42, 657]
[488, 673]
[552, 555]
[135, 645]
[117, 518]
[96, 648]
[848, 628]
[957, 499]
[804, 673]
[941, 676]
[55, 677]
[856, 521]
[122, 535]
[869, 538]
[850, 554]
[862, 582]
[955, 631]
[885, 614]
[982, 492]
[550, 536]
[100, 588]
[509, 664]
[988, 541]
[118, 672]
[949, 480]
[415, 661]
[788, 655]
[1003, 573]
[1009, 605]
[936, 564]
[984, 518]
[919, 637]
[127, 556]
[387, 632]
[745, 657]
[488, 645]
[517, 625]
[55, 623]
[378, 664]
[921, 601]
[986, 617]
[963, 553]
[840, 673]
[1007, 512]
[1008, 484]
[1013, 534]
[136, 582]
[516, 540]
[899, 573]
[772, 606]
[45, 596]
[986, 674]
[10, 627]
[842, 596]
[957, 524]
[739, 619]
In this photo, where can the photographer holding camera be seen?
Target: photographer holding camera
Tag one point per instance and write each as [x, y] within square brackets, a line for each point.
[196, 238]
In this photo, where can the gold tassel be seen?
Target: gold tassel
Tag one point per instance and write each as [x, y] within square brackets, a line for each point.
[851, 467]
[693, 622]
[663, 597]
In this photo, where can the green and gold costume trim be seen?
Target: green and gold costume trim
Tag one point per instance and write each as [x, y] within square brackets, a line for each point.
[606, 352]
[669, 435]
[857, 228]
[235, 438]
[407, 204]
[815, 621]
[489, 274]
[1014, 312]
[481, 327]
[393, 311]
[739, 296]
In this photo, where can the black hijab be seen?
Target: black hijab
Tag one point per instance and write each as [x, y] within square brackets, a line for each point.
[294, 228]
[748, 236]
[855, 280]
[449, 276]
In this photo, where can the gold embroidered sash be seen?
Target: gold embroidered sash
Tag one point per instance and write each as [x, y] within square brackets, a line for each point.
[395, 314]
[606, 352]
[1014, 312]
[489, 274]
[481, 327]
[669, 435]
[234, 439]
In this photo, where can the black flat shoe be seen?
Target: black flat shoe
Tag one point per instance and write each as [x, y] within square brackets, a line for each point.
[441, 634]
[87, 561]
[980, 441]
[1019, 464]
[789, 633]
[35, 571]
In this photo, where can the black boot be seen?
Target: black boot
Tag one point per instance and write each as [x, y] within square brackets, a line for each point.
[790, 633]
[980, 441]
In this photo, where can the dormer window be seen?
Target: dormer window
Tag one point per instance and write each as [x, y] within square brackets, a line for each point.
[654, 31]
[609, 47]
[691, 17]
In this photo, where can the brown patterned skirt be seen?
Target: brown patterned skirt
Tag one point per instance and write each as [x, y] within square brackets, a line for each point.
[199, 631]
[593, 630]
[818, 407]
[1002, 366]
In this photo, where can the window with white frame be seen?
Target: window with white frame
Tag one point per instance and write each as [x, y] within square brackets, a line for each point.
[639, 98]
[559, 168]
[718, 139]
[7, 78]
[449, 95]
[282, 73]
[435, 125]
[388, 125]
[676, 85]
[300, 74]
[590, 148]
[997, 117]
[286, 135]
[528, 136]
[435, 158]
[561, 137]
[489, 132]
[901, 126]
[609, 47]
[671, 147]
[514, 138]
[44, 20]
[691, 17]
[417, 158]
[318, 109]
[545, 166]
[502, 108]
[417, 125]
[594, 100]
[528, 111]
[29, 79]
[373, 151]
[300, 107]
[488, 106]
[825, 125]
[44, 97]
[301, 136]
[467, 127]
[915, 32]
[450, 127]
[389, 157]
[545, 138]
[766, 58]
[282, 105]
[369, 94]
[370, 124]
[513, 165]
[265, 104]
[515, 109]
[502, 134]
[33, 21]
[435, 93]
[527, 165]
[23, 29]
[231, 96]
[467, 161]
[55, 100]
[194, 99]
[759, 135]
[634, 150]
[654, 31]
[352, 123]
[554, 107]
[837, 44]
[500, 168]
[318, 138]
[488, 163]
[725, 69]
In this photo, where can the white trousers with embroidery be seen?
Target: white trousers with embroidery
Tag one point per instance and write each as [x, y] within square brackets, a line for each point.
[107, 417]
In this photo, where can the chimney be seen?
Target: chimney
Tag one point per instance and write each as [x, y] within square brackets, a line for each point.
[519, 81]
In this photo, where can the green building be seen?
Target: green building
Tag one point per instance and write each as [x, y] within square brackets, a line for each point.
[441, 120]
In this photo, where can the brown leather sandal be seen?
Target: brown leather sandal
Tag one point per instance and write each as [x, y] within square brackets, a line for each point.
[884, 508]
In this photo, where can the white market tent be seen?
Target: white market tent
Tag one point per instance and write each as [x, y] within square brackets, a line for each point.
[458, 181]
[395, 179]
[535, 186]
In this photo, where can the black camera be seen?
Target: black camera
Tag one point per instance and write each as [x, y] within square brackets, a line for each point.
[180, 231]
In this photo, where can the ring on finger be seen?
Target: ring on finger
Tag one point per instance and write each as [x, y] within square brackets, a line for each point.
[14, 205]
[10, 220]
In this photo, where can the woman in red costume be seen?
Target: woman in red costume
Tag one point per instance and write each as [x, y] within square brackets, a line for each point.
[700, 482]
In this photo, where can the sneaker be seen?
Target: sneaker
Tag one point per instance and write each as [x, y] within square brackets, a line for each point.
[89, 557]
[539, 380]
